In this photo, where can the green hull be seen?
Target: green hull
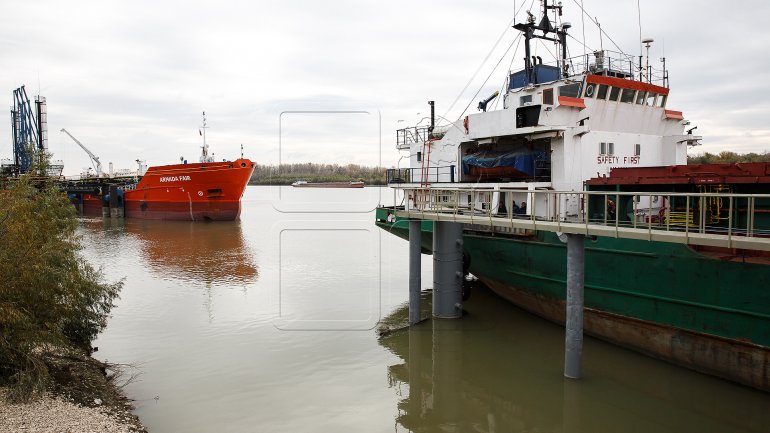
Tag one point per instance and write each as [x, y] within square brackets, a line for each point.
[663, 299]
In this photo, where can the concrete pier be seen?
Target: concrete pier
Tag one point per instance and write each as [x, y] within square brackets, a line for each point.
[447, 269]
[573, 352]
[415, 278]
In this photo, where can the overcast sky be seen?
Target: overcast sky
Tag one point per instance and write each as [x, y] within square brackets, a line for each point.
[130, 79]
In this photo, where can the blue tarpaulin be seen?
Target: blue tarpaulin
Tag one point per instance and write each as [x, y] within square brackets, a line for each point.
[521, 161]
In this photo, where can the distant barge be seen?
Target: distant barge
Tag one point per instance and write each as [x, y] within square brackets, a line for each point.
[305, 184]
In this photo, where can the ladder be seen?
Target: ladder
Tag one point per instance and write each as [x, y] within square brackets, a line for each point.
[424, 174]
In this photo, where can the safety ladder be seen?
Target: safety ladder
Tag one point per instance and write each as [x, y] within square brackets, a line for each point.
[423, 195]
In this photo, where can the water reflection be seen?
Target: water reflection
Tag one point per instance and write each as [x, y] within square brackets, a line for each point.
[499, 370]
[211, 253]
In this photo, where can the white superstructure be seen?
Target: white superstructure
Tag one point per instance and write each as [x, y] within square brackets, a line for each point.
[559, 126]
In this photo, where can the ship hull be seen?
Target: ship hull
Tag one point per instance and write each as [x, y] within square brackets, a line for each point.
[191, 192]
[665, 300]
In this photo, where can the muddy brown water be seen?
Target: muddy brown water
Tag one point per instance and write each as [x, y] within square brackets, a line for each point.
[269, 324]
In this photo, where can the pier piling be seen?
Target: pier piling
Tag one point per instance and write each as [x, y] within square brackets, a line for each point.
[415, 278]
[116, 211]
[574, 306]
[447, 269]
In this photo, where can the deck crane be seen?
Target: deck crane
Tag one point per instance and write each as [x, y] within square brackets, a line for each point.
[94, 158]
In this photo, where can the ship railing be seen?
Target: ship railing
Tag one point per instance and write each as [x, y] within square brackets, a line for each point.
[405, 137]
[730, 220]
[440, 174]
[614, 64]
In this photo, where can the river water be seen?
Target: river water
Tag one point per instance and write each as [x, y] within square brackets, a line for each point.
[270, 324]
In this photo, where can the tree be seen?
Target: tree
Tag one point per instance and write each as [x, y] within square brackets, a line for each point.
[51, 300]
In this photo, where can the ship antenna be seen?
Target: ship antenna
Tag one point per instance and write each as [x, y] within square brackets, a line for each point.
[205, 147]
[599, 26]
[545, 27]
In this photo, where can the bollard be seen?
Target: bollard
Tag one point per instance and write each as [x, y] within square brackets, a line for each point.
[447, 269]
[415, 278]
[574, 306]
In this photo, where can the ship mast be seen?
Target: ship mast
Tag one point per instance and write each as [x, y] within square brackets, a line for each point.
[544, 26]
[205, 147]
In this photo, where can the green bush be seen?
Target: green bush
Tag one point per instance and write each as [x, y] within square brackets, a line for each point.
[51, 299]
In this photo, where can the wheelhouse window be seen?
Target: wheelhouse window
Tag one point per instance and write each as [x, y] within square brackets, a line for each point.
[651, 99]
[602, 92]
[614, 93]
[526, 99]
[548, 96]
[661, 101]
[606, 148]
[627, 96]
[571, 90]
[641, 96]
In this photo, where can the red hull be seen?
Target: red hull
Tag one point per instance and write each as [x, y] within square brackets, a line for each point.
[200, 191]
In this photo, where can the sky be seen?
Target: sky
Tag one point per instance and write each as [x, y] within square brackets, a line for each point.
[331, 81]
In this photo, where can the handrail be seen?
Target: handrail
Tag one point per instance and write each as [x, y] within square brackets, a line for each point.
[654, 216]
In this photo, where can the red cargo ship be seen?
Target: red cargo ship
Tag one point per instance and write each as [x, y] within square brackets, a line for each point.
[206, 190]
[192, 192]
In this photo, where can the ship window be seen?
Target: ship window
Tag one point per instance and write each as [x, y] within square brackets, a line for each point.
[602, 148]
[527, 99]
[662, 101]
[610, 148]
[627, 96]
[614, 93]
[651, 99]
[637, 149]
[419, 156]
[590, 90]
[641, 96]
[571, 90]
[602, 92]
[548, 96]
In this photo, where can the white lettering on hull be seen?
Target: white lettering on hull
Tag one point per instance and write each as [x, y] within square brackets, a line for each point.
[175, 179]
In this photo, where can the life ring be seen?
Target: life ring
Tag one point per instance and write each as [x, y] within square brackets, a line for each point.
[465, 124]
[590, 90]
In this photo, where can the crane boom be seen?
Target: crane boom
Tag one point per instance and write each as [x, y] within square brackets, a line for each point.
[94, 158]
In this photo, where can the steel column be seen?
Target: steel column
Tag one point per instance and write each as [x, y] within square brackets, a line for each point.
[574, 306]
[447, 269]
[415, 279]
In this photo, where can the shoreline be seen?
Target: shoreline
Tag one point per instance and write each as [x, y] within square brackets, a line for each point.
[83, 397]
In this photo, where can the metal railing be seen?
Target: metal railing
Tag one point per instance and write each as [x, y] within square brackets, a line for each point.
[405, 137]
[615, 64]
[710, 219]
[441, 174]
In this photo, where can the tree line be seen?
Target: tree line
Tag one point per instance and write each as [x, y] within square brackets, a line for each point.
[727, 157]
[286, 174]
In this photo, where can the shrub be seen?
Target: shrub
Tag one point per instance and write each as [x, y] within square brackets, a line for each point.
[51, 299]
